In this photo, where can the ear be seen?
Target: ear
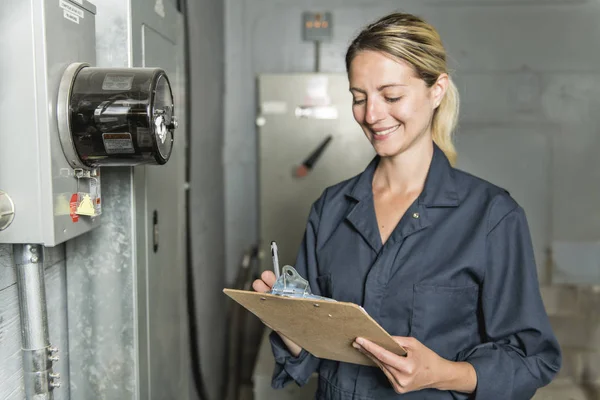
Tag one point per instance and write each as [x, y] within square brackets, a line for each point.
[438, 90]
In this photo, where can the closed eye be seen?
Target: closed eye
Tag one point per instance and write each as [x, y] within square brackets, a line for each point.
[392, 99]
[358, 102]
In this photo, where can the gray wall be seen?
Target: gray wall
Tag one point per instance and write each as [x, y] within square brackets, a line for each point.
[206, 44]
[528, 76]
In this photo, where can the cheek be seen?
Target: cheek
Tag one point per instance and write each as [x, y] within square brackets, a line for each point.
[403, 112]
[358, 114]
[411, 112]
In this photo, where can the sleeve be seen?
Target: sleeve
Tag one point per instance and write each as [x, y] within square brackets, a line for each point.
[287, 367]
[520, 353]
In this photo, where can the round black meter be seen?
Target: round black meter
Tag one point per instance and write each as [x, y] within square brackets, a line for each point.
[115, 117]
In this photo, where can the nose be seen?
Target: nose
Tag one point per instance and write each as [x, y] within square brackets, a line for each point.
[375, 112]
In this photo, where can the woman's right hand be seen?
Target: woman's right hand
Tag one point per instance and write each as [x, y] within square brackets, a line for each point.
[263, 285]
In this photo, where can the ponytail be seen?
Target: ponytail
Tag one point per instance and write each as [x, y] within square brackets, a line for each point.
[444, 122]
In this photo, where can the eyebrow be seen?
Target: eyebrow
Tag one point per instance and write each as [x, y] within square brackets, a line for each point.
[380, 88]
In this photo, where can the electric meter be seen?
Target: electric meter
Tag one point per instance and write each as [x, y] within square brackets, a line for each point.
[115, 117]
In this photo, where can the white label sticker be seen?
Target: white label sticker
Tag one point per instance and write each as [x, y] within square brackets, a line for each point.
[64, 4]
[117, 82]
[317, 112]
[118, 143]
[273, 107]
[70, 16]
[159, 8]
[316, 91]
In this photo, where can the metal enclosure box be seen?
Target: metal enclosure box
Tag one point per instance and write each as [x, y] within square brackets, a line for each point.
[38, 40]
[297, 112]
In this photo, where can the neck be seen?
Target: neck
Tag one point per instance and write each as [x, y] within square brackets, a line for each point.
[406, 172]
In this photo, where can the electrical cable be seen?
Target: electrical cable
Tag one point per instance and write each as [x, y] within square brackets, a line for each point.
[197, 375]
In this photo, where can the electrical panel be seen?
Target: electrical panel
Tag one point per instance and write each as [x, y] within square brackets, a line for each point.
[63, 119]
[316, 27]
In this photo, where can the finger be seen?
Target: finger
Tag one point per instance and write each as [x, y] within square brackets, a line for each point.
[406, 341]
[389, 372]
[269, 278]
[398, 388]
[366, 353]
[260, 286]
[389, 368]
[386, 357]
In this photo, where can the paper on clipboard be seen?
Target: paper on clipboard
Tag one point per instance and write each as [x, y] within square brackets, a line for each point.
[322, 327]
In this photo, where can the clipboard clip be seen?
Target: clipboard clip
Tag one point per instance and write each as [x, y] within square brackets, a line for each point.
[291, 284]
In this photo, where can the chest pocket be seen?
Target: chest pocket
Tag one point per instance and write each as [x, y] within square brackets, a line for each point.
[444, 318]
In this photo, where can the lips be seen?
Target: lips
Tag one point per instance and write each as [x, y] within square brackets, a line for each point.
[381, 134]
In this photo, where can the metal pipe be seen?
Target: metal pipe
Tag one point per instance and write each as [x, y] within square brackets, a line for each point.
[317, 56]
[38, 355]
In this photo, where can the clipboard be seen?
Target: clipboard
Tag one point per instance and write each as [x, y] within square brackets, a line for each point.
[324, 328]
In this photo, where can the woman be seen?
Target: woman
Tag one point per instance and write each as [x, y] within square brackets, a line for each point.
[441, 259]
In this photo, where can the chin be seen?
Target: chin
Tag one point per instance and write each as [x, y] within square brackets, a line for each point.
[398, 145]
[388, 150]
[387, 154]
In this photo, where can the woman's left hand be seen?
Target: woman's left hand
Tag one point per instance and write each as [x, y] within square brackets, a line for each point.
[422, 368]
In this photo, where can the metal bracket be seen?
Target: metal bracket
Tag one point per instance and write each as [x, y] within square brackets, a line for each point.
[85, 173]
[88, 201]
[62, 113]
[291, 284]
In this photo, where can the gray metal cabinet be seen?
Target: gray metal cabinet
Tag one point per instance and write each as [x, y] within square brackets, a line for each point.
[38, 40]
[157, 39]
[297, 113]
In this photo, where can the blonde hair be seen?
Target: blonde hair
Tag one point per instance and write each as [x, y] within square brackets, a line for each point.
[410, 38]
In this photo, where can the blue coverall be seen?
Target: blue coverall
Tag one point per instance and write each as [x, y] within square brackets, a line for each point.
[457, 273]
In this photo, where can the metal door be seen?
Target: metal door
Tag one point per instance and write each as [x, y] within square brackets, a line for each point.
[297, 113]
[157, 39]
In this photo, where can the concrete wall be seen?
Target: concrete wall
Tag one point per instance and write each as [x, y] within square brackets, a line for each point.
[574, 315]
[528, 75]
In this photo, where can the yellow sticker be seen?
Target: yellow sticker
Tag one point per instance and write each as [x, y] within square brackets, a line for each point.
[86, 207]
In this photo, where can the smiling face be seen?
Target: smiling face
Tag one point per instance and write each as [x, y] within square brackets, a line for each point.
[392, 105]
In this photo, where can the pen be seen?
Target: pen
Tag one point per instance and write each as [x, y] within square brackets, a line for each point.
[275, 259]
